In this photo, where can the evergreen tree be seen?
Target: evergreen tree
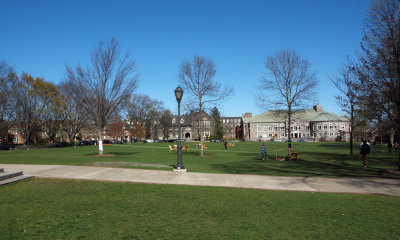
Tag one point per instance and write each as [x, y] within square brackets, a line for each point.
[219, 129]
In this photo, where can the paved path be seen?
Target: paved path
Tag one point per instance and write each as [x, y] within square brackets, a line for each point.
[311, 184]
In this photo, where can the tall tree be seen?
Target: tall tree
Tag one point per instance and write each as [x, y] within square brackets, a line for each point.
[219, 129]
[197, 78]
[32, 104]
[105, 85]
[53, 105]
[8, 83]
[166, 123]
[291, 83]
[348, 85]
[73, 118]
[145, 111]
[380, 59]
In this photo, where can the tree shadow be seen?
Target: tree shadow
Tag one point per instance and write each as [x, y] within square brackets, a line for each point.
[325, 165]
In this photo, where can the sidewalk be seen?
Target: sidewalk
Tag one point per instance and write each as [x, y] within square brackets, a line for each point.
[334, 185]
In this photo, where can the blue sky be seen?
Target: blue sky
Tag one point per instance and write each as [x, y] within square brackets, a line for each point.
[40, 37]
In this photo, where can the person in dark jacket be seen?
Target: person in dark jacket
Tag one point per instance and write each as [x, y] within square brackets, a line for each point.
[364, 151]
[390, 147]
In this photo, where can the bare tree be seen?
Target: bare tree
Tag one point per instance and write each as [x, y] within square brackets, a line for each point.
[166, 123]
[29, 107]
[145, 111]
[380, 59]
[8, 82]
[291, 83]
[105, 85]
[73, 118]
[196, 76]
[348, 85]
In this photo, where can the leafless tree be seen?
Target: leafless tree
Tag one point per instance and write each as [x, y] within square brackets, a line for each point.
[29, 107]
[349, 91]
[196, 77]
[166, 123]
[8, 82]
[380, 58]
[290, 84]
[73, 118]
[105, 85]
[145, 111]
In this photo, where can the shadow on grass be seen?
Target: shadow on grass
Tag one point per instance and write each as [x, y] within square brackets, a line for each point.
[113, 153]
[324, 165]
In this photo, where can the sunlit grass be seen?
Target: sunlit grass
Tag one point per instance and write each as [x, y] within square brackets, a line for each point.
[315, 159]
[69, 209]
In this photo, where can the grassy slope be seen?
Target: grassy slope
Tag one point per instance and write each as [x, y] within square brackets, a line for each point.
[317, 159]
[67, 209]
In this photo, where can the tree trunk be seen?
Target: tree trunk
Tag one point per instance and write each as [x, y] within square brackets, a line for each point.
[99, 134]
[351, 128]
[201, 131]
[289, 130]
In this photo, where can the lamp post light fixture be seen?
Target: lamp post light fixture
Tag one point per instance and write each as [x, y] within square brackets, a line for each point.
[179, 166]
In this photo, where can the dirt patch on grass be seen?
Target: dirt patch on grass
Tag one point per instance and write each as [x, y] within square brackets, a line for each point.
[105, 155]
[129, 164]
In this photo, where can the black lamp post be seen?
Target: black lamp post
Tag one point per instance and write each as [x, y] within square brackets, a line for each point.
[178, 94]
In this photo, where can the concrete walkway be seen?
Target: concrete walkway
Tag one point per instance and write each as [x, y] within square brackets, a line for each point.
[309, 184]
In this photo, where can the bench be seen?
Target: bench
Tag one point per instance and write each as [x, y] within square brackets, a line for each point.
[293, 155]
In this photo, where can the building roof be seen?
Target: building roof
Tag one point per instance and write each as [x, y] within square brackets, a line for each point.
[279, 116]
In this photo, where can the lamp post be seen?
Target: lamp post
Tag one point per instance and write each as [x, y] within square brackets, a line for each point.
[179, 166]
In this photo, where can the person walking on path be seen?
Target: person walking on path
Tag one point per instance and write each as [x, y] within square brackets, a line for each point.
[263, 150]
[364, 150]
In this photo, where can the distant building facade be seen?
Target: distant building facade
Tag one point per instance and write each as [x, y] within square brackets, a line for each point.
[312, 124]
[232, 127]
[190, 126]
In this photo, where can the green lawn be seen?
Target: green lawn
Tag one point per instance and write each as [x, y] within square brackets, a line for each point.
[70, 209]
[316, 159]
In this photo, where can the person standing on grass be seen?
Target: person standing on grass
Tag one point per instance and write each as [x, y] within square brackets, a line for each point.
[263, 150]
[364, 150]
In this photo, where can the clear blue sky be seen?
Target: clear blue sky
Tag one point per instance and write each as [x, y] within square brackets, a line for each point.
[40, 37]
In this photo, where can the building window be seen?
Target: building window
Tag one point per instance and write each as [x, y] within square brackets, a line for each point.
[16, 140]
[258, 128]
[173, 120]
[307, 127]
[206, 123]
[182, 120]
[265, 129]
[319, 127]
[223, 121]
[331, 126]
[325, 127]
[283, 128]
[269, 128]
[276, 128]
[282, 134]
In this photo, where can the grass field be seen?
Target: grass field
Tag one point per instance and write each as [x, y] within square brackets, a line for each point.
[70, 209]
[316, 159]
